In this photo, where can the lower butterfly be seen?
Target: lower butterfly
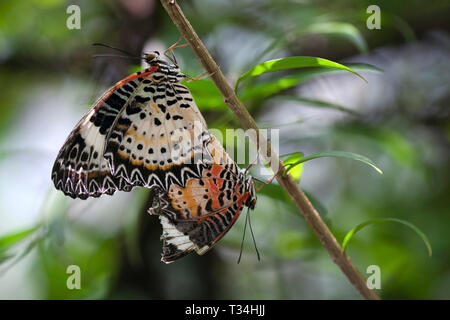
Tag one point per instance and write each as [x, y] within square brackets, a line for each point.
[147, 131]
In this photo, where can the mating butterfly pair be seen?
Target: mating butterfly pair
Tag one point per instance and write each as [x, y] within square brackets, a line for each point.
[147, 131]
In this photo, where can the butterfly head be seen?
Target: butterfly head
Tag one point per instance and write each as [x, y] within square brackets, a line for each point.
[170, 72]
[152, 57]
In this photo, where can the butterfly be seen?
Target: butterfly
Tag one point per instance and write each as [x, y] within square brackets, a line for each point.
[146, 131]
[195, 216]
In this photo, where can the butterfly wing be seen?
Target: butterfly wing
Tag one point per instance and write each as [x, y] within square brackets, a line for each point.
[196, 216]
[80, 170]
[159, 139]
[88, 164]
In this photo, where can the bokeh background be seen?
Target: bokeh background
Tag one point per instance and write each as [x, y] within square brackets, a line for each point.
[399, 119]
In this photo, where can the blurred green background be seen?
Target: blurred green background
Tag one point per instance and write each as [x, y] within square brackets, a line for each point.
[399, 119]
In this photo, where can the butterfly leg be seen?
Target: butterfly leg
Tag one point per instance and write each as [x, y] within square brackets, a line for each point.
[267, 182]
[158, 204]
[155, 208]
[202, 76]
[176, 45]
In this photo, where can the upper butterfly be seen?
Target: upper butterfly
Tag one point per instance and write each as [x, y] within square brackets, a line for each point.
[146, 130]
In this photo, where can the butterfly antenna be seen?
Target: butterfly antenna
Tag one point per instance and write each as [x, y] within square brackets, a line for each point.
[114, 48]
[251, 165]
[243, 238]
[259, 180]
[253, 237]
[114, 56]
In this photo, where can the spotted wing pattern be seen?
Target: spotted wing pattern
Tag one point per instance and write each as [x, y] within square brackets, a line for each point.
[159, 138]
[139, 133]
[196, 216]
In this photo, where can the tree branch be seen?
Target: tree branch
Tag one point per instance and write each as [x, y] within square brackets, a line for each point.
[287, 182]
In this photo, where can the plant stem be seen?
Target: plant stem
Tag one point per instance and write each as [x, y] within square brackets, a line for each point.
[288, 183]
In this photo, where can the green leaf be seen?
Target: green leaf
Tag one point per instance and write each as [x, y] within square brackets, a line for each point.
[8, 241]
[360, 226]
[271, 125]
[291, 159]
[5, 257]
[364, 67]
[206, 94]
[293, 63]
[272, 87]
[319, 103]
[392, 142]
[397, 22]
[17, 255]
[342, 29]
[336, 154]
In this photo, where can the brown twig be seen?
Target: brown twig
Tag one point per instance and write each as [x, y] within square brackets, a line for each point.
[287, 182]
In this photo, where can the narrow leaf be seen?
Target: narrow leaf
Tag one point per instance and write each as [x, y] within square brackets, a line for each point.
[271, 87]
[342, 29]
[296, 171]
[8, 241]
[336, 154]
[293, 63]
[360, 226]
[318, 103]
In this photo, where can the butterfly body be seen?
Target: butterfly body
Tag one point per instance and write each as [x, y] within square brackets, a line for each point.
[146, 131]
